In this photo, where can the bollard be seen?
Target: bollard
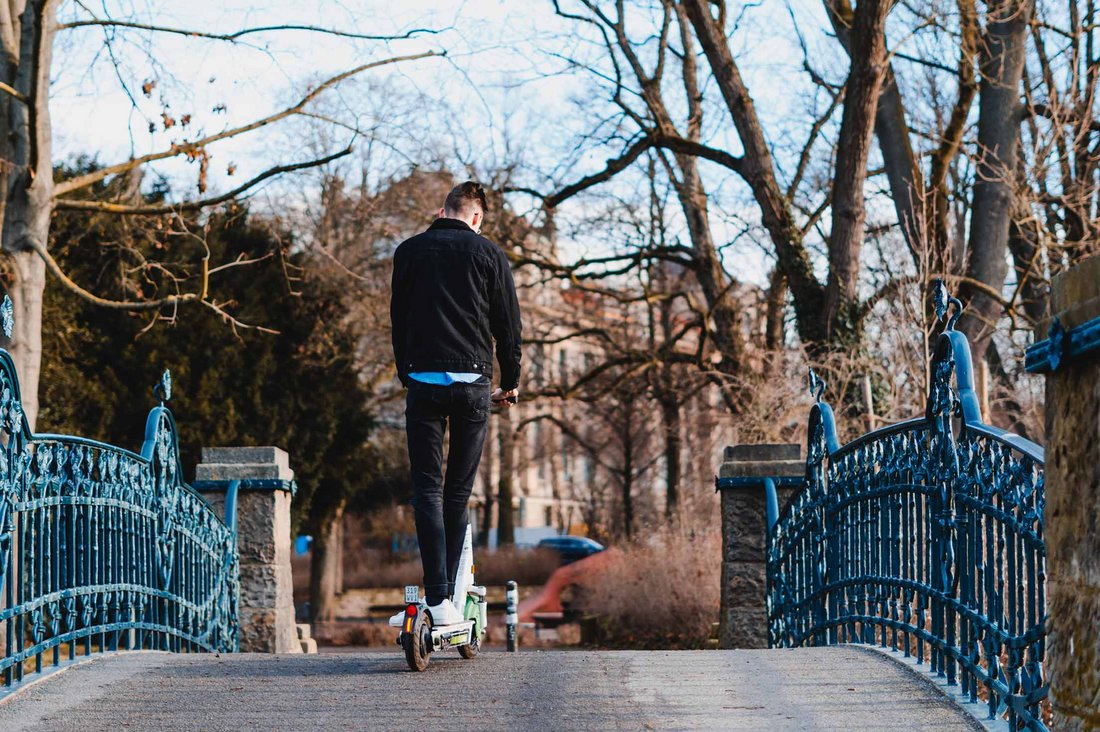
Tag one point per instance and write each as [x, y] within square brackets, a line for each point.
[253, 488]
[755, 481]
[513, 601]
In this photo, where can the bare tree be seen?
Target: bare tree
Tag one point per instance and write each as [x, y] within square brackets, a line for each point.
[968, 194]
[1000, 112]
[28, 34]
[827, 313]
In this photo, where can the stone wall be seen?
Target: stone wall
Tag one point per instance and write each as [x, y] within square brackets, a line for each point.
[743, 622]
[266, 608]
[1073, 511]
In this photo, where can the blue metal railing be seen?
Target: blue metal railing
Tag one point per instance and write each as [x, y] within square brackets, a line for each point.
[105, 549]
[925, 537]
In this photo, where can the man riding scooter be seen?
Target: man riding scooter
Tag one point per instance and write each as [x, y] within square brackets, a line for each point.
[452, 296]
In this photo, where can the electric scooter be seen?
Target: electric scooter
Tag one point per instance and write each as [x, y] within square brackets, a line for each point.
[420, 637]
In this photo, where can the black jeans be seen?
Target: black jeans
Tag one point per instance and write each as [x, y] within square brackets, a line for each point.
[440, 503]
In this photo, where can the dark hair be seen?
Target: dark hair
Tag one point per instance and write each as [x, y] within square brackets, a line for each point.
[463, 195]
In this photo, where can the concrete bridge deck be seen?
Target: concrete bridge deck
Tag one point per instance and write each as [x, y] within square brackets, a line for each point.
[804, 689]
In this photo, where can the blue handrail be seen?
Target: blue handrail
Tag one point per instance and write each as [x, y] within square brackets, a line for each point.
[926, 537]
[103, 548]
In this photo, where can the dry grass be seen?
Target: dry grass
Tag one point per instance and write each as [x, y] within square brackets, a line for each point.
[661, 592]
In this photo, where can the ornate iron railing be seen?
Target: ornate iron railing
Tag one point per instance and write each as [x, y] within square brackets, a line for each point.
[925, 537]
[104, 549]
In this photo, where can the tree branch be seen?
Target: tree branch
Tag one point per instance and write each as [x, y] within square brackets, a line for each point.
[130, 305]
[894, 286]
[1047, 112]
[97, 22]
[614, 166]
[12, 91]
[82, 181]
[154, 209]
[805, 156]
[138, 306]
[632, 153]
[699, 150]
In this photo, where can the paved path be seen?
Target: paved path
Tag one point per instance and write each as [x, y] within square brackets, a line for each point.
[813, 688]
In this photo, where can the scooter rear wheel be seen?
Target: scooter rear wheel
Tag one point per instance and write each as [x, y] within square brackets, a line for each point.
[418, 643]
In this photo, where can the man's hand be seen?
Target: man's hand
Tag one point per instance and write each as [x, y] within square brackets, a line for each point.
[505, 398]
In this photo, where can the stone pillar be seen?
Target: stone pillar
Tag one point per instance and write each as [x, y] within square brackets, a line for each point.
[741, 479]
[266, 608]
[1073, 504]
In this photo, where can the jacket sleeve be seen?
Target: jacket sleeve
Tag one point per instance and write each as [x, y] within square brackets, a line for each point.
[399, 310]
[505, 323]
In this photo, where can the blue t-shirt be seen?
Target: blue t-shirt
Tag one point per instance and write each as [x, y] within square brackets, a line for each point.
[444, 378]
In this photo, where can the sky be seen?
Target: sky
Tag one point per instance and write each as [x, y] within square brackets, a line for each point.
[94, 114]
[501, 94]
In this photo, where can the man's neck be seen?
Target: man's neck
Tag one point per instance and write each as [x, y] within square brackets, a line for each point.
[451, 222]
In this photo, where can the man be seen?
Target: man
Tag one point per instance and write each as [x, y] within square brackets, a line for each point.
[452, 296]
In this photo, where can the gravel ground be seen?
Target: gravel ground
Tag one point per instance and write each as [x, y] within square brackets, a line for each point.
[840, 688]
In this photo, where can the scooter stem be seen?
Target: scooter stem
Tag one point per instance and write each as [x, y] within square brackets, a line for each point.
[465, 576]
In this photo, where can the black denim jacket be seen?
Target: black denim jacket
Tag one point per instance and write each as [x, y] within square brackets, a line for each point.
[452, 295]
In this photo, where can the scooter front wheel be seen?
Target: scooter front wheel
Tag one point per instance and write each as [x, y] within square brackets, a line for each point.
[418, 643]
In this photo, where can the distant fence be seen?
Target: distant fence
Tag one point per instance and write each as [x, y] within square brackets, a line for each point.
[925, 537]
[104, 549]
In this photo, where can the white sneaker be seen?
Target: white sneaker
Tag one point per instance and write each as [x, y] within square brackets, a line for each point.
[396, 621]
[445, 613]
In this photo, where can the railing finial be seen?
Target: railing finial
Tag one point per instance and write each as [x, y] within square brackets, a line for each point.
[7, 316]
[163, 389]
[817, 386]
[943, 300]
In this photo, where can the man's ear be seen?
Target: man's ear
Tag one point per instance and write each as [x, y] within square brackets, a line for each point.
[441, 214]
[479, 217]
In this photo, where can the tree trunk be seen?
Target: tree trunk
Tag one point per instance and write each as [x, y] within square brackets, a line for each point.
[28, 188]
[903, 172]
[775, 332]
[868, 43]
[628, 488]
[922, 212]
[506, 531]
[337, 548]
[712, 277]
[758, 171]
[324, 574]
[999, 112]
[26, 292]
[670, 415]
[715, 283]
[1025, 244]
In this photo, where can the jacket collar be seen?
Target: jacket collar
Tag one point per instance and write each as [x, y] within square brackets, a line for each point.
[442, 223]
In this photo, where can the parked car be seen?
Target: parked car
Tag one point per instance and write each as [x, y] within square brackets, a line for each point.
[572, 548]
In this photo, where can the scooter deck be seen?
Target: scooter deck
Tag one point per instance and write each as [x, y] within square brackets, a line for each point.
[451, 636]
